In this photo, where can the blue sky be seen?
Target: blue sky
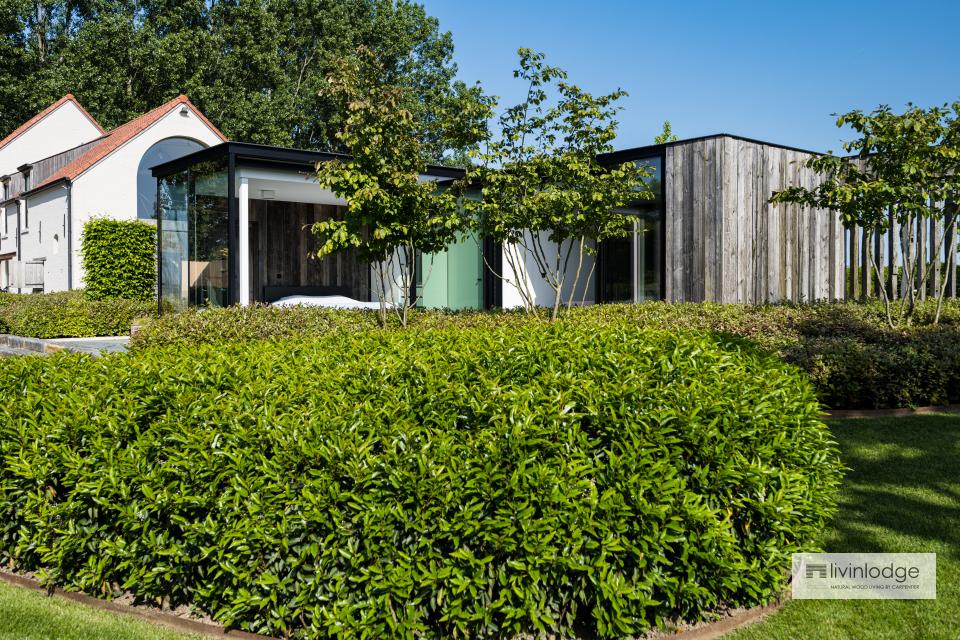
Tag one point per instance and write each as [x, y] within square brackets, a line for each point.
[769, 70]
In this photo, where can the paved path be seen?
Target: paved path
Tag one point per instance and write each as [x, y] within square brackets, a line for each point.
[17, 346]
[6, 352]
[92, 345]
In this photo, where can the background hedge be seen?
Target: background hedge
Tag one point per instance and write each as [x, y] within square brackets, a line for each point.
[119, 259]
[433, 483]
[69, 315]
[853, 358]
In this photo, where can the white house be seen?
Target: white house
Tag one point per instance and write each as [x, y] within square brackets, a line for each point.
[60, 168]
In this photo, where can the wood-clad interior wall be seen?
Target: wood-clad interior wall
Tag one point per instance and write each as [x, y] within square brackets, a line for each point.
[726, 243]
[282, 248]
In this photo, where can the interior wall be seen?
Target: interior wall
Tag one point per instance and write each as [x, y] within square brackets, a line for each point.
[282, 248]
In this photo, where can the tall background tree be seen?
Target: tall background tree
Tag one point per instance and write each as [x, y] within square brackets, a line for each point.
[255, 67]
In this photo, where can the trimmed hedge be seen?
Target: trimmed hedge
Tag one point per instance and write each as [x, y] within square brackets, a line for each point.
[119, 259]
[853, 358]
[544, 479]
[69, 315]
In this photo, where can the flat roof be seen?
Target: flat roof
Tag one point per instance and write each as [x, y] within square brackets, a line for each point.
[264, 154]
[636, 153]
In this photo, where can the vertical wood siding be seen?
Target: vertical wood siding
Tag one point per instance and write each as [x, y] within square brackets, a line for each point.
[726, 243]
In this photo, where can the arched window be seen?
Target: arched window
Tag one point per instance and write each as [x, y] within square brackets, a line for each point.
[168, 149]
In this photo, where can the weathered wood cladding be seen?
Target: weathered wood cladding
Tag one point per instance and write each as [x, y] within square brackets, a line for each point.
[282, 248]
[726, 243]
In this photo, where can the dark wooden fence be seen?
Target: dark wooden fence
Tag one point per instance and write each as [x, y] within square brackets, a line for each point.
[932, 243]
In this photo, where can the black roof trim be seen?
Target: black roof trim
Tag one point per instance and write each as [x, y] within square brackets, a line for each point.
[31, 192]
[636, 153]
[264, 153]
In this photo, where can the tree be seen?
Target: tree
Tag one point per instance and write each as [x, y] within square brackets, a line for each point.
[255, 67]
[905, 166]
[544, 196]
[667, 135]
[393, 217]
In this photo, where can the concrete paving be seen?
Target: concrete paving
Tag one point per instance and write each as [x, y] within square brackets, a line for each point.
[7, 352]
[91, 345]
[18, 345]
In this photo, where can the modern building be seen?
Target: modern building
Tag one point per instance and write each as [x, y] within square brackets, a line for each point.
[233, 220]
[234, 228]
[61, 168]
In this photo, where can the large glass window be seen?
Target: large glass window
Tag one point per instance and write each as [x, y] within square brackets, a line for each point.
[168, 149]
[630, 268]
[194, 236]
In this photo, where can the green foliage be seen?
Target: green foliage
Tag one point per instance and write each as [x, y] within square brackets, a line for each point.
[667, 135]
[392, 215]
[540, 180]
[907, 165]
[119, 259]
[546, 479]
[255, 68]
[853, 358]
[68, 315]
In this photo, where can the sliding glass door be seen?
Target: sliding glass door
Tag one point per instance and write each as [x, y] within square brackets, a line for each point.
[630, 269]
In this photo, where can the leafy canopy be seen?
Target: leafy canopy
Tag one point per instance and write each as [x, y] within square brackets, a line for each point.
[255, 68]
[541, 179]
[391, 210]
[667, 135]
[902, 167]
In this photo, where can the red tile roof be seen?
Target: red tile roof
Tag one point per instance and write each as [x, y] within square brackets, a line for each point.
[114, 139]
[43, 114]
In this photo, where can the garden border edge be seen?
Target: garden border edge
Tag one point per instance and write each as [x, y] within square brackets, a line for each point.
[160, 618]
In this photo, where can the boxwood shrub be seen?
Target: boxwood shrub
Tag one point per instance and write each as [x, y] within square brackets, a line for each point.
[69, 315]
[440, 483]
[853, 358]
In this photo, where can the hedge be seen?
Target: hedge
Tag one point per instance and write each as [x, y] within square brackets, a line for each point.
[69, 315]
[853, 358]
[119, 259]
[436, 483]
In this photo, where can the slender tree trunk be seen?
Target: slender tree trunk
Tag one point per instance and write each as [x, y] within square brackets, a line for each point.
[576, 277]
[883, 289]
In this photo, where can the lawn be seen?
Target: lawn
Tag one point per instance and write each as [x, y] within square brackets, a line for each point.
[902, 494]
[30, 615]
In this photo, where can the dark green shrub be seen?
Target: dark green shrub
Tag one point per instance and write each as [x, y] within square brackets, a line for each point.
[69, 315]
[434, 483]
[119, 259]
[854, 359]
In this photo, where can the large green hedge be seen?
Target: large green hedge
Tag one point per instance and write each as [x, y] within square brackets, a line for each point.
[119, 259]
[853, 358]
[69, 315]
[434, 483]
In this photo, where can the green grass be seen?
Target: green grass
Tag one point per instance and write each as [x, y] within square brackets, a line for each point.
[31, 615]
[902, 494]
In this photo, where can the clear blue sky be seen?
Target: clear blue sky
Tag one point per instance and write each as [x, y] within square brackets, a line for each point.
[770, 70]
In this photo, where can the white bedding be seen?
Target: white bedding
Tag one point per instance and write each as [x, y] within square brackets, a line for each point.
[330, 302]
